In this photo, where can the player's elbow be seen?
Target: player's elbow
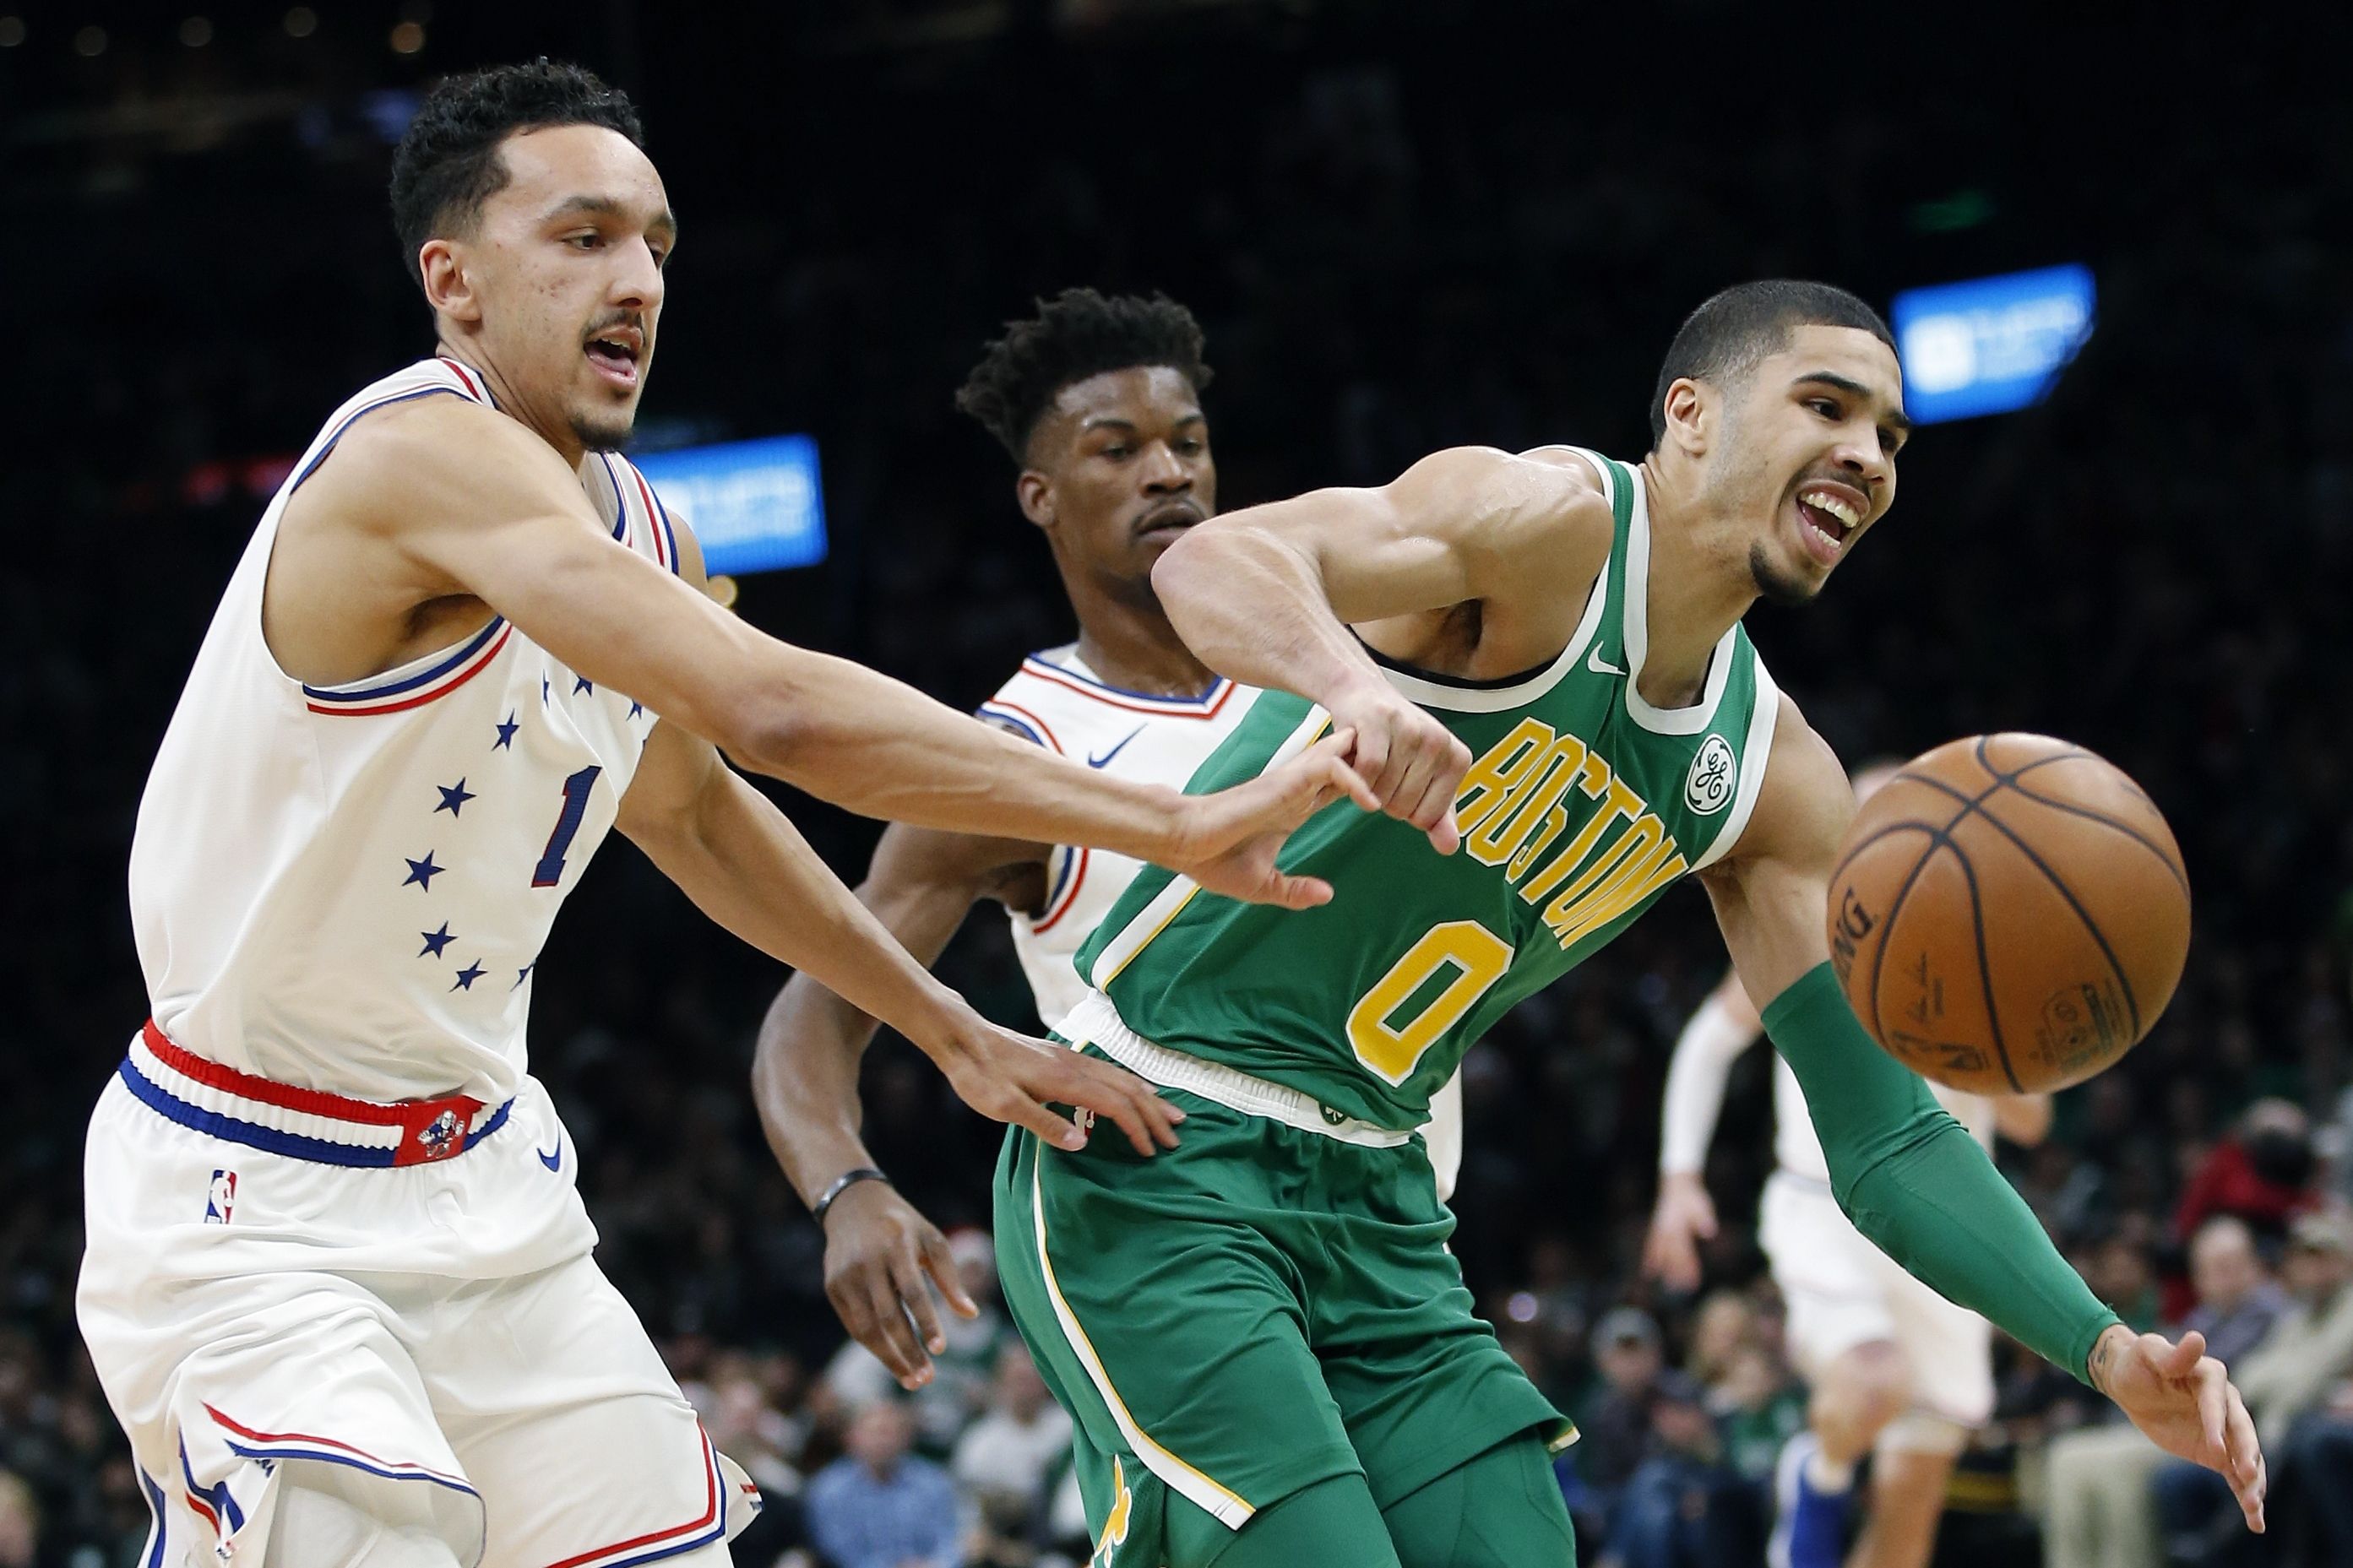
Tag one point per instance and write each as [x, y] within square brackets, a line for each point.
[1183, 574]
[765, 729]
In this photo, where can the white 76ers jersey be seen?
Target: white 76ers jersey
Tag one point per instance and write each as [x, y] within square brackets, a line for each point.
[1057, 701]
[344, 888]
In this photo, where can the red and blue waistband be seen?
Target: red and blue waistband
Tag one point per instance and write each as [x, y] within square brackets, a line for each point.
[301, 1123]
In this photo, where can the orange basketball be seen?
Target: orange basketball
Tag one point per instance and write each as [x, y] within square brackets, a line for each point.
[2008, 915]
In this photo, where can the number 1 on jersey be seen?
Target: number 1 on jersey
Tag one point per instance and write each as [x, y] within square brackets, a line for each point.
[1392, 1049]
[550, 869]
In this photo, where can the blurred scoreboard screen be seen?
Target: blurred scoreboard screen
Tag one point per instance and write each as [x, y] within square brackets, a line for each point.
[1991, 344]
[755, 505]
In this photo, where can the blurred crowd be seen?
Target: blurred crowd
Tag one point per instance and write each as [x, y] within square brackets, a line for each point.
[2150, 563]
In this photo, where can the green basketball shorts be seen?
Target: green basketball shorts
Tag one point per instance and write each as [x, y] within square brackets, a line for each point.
[1256, 1310]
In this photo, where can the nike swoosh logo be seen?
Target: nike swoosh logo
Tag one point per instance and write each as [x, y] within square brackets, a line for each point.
[1095, 762]
[1600, 665]
[552, 1161]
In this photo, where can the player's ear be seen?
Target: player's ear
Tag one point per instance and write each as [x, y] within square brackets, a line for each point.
[449, 287]
[1036, 493]
[1691, 417]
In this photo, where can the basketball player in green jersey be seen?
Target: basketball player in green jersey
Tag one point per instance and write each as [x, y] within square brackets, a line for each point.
[1268, 1351]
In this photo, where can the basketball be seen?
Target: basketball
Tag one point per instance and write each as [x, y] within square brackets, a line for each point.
[2008, 915]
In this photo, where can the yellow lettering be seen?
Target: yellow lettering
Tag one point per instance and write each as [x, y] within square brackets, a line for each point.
[1638, 877]
[1492, 777]
[1508, 826]
[1617, 800]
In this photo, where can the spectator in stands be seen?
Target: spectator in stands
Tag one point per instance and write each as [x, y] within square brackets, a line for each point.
[878, 1506]
[1684, 1506]
[2299, 1388]
[2097, 1510]
[1005, 1460]
[20, 1523]
[2262, 1173]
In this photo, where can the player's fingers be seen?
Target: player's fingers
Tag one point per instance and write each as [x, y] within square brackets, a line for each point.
[1368, 754]
[1343, 776]
[2247, 1476]
[1289, 892]
[892, 1337]
[1704, 1219]
[940, 1264]
[916, 1300]
[2214, 1390]
[2181, 1360]
[1020, 1111]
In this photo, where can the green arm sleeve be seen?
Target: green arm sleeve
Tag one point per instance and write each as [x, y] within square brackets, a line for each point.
[1916, 1184]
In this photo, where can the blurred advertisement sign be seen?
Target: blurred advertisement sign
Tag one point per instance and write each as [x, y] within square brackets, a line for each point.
[1991, 344]
[755, 505]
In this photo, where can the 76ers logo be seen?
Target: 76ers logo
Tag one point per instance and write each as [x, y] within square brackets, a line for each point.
[220, 1202]
[1708, 790]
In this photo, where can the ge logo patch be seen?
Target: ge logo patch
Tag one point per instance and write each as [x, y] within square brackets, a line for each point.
[1714, 772]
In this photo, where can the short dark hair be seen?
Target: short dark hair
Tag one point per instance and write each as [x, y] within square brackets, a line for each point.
[1076, 334]
[1734, 330]
[447, 163]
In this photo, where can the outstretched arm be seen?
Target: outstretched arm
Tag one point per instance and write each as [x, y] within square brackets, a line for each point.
[1912, 1180]
[1267, 596]
[1721, 1027]
[454, 501]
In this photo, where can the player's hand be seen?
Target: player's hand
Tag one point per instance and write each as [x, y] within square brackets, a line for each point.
[1684, 1217]
[2182, 1400]
[883, 1262]
[1227, 842]
[1410, 762]
[1012, 1078]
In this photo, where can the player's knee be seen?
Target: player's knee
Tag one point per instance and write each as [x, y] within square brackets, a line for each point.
[315, 1528]
[1866, 1387]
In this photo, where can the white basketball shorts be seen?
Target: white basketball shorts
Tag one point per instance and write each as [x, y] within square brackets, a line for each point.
[1843, 1292]
[278, 1279]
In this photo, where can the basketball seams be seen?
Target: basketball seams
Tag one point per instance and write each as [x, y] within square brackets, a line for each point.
[2170, 862]
[2091, 927]
[1895, 908]
[1985, 966]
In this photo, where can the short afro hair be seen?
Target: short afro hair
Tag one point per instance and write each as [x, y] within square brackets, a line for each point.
[447, 163]
[1726, 336]
[1076, 334]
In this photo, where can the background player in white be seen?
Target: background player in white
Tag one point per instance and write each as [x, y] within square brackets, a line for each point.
[1098, 401]
[337, 1284]
[1893, 1366]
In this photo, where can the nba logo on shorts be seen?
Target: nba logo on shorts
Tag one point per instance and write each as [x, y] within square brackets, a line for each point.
[222, 1199]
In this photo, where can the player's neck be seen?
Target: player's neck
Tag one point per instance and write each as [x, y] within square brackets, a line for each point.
[556, 432]
[1699, 585]
[1135, 649]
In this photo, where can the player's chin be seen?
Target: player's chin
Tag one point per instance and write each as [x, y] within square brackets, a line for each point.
[1785, 581]
[604, 429]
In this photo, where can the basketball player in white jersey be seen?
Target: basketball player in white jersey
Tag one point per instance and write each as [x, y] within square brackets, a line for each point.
[1896, 1370]
[338, 1285]
[1098, 402]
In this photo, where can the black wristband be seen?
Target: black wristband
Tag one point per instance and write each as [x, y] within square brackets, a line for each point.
[842, 1183]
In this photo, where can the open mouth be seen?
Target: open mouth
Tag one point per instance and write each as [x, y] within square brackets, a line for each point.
[1827, 515]
[615, 353]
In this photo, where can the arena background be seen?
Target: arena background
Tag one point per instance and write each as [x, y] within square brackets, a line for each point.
[1404, 225]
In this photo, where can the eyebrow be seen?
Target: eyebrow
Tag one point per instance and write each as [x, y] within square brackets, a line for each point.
[1112, 422]
[1899, 419]
[605, 207]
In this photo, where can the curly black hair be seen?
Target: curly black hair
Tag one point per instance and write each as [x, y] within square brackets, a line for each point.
[1732, 330]
[1076, 334]
[447, 163]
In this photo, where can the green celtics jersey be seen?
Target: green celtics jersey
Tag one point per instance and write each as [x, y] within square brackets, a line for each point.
[1583, 806]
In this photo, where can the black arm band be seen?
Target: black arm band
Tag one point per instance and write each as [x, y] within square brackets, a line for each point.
[842, 1183]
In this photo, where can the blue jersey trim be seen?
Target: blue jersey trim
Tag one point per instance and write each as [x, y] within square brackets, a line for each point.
[997, 716]
[159, 1536]
[362, 694]
[270, 1140]
[322, 1456]
[324, 452]
[620, 501]
[1203, 700]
